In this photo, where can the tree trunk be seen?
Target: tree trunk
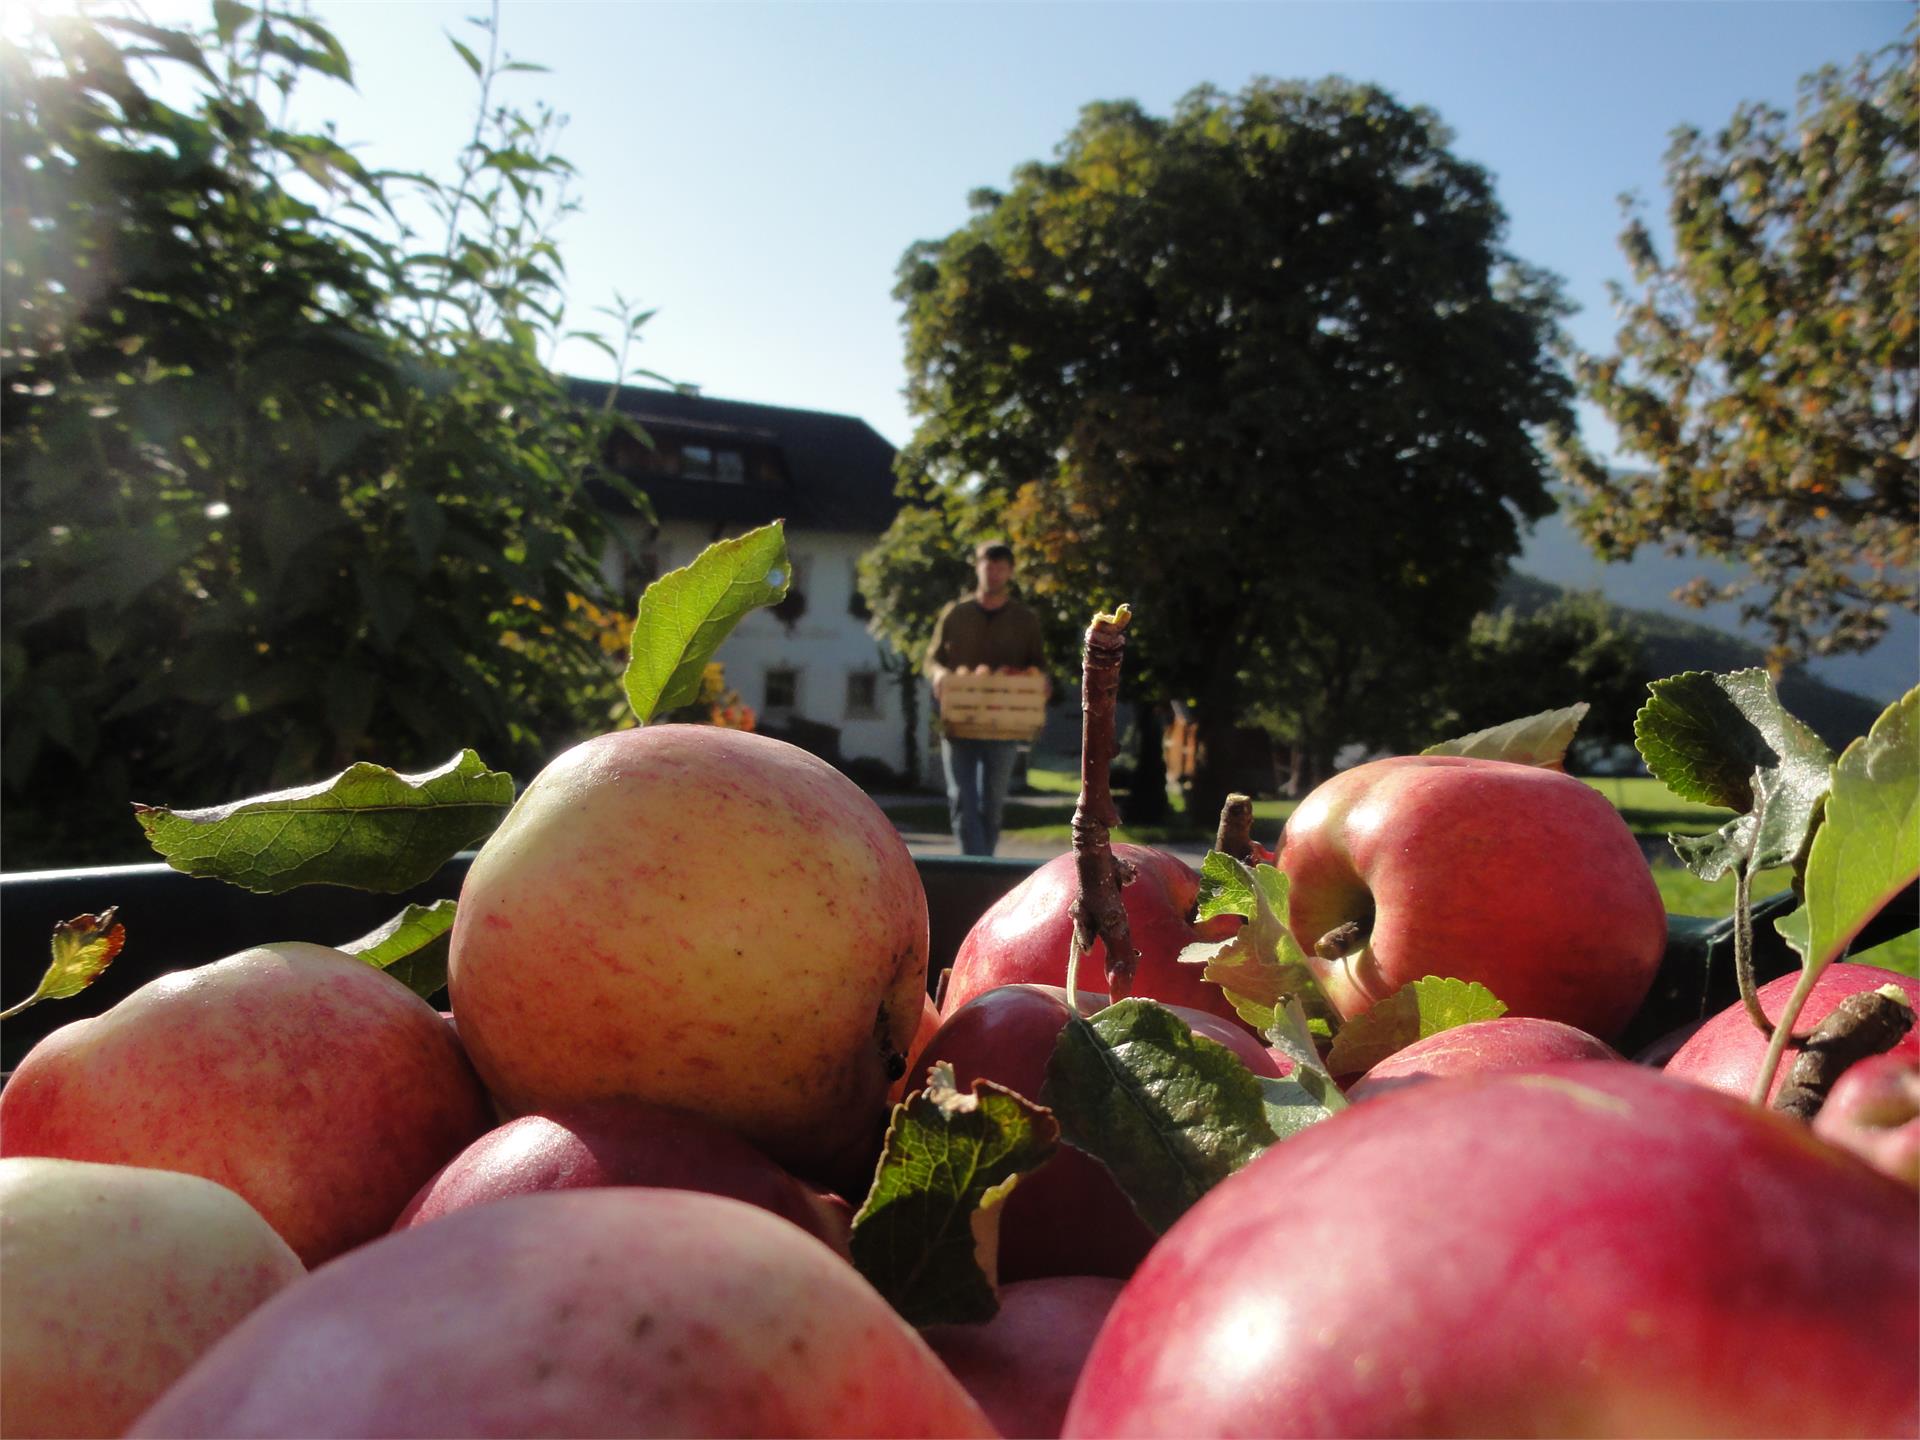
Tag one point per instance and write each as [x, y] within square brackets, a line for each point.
[1146, 802]
[1218, 714]
[910, 720]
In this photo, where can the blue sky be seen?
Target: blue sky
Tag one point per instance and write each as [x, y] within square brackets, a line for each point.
[756, 170]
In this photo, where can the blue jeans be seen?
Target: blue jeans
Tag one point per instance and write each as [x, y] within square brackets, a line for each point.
[978, 774]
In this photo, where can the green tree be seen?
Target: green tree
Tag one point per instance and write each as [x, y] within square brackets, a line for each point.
[1520, 661]
[287, 485]
[1262, 368]
[1767, 374]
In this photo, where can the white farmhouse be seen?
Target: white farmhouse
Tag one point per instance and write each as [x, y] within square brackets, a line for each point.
[716, 468]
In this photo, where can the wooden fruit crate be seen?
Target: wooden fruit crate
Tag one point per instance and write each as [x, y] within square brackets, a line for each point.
[993, 707]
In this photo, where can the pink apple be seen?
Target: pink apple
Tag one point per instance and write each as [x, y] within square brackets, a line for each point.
[1520, 878]
[622, 1312]
[117, 1279]
[1586, 1250]
[702, 918]
[1729, 1049]
[1024, 938]
[1483, 1047]
[1069, 1217]
[1874, 1111]
[620, 1142]
[320, 1089]
[1022, 1364]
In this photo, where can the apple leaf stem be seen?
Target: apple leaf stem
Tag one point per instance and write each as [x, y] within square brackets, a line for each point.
[1097, 912]
[1862, 1025]
[1743, 949]
[1235, 836]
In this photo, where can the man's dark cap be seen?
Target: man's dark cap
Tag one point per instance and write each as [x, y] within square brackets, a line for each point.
[993, 550]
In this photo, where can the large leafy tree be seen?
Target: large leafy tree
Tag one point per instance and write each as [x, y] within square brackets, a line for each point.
[287, 485]
[1768, 372]
[1262, 367]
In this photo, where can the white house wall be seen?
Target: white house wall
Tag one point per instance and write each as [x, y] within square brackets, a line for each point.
[825, 646]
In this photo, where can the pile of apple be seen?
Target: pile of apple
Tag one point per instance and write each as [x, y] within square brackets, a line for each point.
[695, 1152]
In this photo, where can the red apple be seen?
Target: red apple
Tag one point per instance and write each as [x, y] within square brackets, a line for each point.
[1023, 1363]
[929, 1023]
[620, 1142]
[1069, 1217]
[1874, 1111]
[1484, 1047]
[1586, 1250]
[702, 918]
[1728, 1050]
[1521, 878]
[591, 1312]
[1023, 939]
[117, 1279]
[322, 1090]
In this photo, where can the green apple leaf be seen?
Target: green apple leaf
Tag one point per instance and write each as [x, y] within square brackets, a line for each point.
[1413, 1012]
[687, 613]
[1540, 740]
[412, 947]
[1261, 964]
[83, 947]
[1727, 740]
[1704, 736]
[1170, 1113]
[1868, 849]
[368, 828]
[927, 1236]
[1292, 1035]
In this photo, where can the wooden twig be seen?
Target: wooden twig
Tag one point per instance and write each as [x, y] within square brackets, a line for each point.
[1098, 914]
[1235, 836]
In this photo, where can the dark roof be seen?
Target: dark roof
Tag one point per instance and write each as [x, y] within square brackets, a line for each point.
[833, 472]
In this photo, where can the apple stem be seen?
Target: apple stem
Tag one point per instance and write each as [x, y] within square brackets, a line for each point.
[1235, 836]
[1869, 1023]
[1097, 912]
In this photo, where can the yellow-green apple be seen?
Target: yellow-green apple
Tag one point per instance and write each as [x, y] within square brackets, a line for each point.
[117, 1278]
[1728, 1051]
[1022, 1364]
[1024, 936]
[322, 1090]
[1585, 1250]
[1874, 1111]
[1521, 878]
[586, 1312]
[599, 1143]
[1069, 1217]
[703, 918]
[1481, 1047]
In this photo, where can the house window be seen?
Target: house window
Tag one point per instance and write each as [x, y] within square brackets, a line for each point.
[781, 690]
[703, 462]
[857, 605]
[863, 695]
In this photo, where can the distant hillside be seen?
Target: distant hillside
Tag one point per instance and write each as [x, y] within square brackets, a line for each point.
[1669, 645]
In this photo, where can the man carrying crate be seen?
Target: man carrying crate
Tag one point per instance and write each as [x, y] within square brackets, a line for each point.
[984, 720]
